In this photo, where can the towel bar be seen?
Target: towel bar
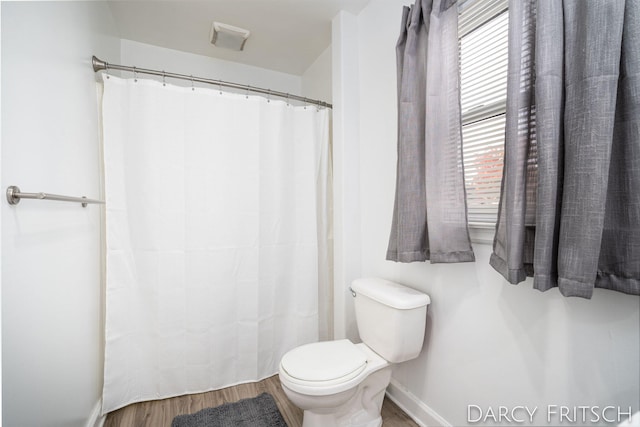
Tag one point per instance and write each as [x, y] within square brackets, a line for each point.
[14, 195]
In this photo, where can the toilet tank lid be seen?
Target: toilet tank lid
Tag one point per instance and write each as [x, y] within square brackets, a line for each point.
[390, 293]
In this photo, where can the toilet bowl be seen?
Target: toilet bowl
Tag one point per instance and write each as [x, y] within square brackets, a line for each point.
[330, 394]
[339, 383]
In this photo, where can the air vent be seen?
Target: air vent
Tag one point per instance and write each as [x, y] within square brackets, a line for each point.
[228, 37]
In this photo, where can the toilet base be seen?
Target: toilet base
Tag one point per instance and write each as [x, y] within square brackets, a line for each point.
[361, 409]
[317, 420]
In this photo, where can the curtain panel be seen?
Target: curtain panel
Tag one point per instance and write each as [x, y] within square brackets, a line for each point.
[570, 202]
[217, 225]
[430, 211]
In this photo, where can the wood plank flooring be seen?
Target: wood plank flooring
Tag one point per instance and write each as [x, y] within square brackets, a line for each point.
[160, 413]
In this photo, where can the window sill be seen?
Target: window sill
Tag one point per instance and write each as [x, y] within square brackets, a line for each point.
[482, 233]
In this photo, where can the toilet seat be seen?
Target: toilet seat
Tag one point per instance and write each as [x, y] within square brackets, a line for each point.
[328, 367]
[324, 363]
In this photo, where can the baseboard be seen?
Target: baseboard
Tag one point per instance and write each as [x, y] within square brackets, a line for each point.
[422, 414]
[95, 419]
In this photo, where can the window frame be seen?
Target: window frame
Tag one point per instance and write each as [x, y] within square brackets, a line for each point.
[474, 14]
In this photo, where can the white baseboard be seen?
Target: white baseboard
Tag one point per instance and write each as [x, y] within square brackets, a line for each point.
[422, 414]
[95, 419]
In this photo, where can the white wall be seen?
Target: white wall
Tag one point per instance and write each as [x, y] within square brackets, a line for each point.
[488, 343]
[346, 169]
[316, 80]
[158, 58]
[51, 291]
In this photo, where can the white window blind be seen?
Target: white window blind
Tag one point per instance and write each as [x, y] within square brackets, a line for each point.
[482, 31]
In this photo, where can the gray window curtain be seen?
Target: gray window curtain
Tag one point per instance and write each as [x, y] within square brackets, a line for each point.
[570, 204]
[430, 212]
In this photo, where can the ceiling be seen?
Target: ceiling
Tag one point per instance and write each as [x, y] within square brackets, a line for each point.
[286, 35]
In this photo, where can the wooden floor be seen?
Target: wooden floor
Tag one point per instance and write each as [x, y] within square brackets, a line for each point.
[160, 413]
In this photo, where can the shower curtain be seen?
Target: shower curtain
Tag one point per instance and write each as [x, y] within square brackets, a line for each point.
[216, 237]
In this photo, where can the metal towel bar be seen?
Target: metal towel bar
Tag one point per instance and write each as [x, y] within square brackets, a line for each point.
[14, 195]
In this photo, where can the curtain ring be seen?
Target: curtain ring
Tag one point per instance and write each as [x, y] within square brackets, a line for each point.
[220, 87]
[268, 95]
[305, 103]
[164, 82]
[287, 99]
[135, 75]
[247, 94]
[192, 88]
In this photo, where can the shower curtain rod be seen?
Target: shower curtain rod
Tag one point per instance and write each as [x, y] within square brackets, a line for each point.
[99, 65]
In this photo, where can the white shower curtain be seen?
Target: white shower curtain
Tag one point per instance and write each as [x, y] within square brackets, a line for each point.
[216, 237]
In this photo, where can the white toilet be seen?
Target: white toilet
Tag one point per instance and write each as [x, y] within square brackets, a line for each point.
[338, 383]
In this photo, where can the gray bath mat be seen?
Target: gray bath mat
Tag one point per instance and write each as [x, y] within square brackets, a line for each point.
[260, 411]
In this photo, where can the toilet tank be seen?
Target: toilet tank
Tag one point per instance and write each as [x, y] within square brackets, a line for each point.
[391, 318]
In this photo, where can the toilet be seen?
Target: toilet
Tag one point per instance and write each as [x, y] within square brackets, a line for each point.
[339, 383]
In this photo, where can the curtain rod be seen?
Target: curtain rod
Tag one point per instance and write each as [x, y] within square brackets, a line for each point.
[99, 65]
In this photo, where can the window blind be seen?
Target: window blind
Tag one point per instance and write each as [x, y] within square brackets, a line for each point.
[483, 36]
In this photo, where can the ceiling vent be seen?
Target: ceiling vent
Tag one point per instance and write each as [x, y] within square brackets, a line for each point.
[228, 37]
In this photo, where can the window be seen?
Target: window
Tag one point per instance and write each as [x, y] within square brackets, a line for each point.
[482, 33]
